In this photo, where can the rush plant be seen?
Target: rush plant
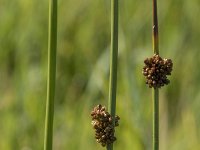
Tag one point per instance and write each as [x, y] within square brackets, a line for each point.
[113, 62]
[105, 122]
[155, 71]
[52, 44]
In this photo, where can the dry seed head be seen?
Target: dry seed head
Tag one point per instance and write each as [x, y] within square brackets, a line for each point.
[156, 70]
[102, 123]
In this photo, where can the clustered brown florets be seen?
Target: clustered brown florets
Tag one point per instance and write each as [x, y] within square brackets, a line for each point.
[102, 122]
[156, 70]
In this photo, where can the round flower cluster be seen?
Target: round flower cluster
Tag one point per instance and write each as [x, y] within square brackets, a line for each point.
[102, 122]
[156, 70]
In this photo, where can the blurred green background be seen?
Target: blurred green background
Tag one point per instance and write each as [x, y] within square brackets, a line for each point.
[83, 73]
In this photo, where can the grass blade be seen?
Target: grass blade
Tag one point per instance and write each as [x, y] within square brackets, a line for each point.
[52, 44]
[113, 62]
[155, 93]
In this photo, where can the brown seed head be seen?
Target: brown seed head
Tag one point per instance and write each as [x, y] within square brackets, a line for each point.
[102, 123]
[156, 70]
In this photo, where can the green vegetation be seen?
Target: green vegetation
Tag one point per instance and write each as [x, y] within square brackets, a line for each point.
[83, 73]
[113, 62]
[155, 91]
[51, 77]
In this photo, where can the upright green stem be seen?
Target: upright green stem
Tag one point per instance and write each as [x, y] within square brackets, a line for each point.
[52, 44]
[113, 62]
[155, 92]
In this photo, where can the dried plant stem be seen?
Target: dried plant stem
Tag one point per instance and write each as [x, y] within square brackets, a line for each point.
[113, 62]
[155, 92]
[155, 29]
[52, 44]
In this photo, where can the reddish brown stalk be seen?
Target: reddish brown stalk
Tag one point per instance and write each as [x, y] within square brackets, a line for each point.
[155, 28]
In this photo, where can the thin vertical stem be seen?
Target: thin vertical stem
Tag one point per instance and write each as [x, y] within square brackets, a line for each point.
[155, 28]
[155, 92]
[52, 44]
[113, 62]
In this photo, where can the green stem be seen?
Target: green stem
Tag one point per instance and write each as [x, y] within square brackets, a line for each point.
[52, 44]
[113, 62]
[155, 93]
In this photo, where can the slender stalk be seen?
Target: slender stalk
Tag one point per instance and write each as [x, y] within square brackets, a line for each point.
[155, 29]
[52, 44]
[155, 95]
[155, 92]
[113, 62]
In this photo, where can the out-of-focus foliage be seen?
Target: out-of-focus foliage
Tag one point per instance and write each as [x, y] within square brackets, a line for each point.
[83, 73]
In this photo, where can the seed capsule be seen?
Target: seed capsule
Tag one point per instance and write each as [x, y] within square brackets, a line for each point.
[103, 125]
[156, 70]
